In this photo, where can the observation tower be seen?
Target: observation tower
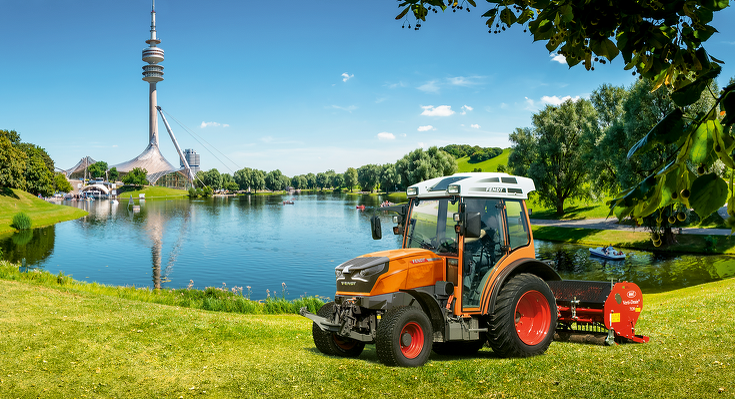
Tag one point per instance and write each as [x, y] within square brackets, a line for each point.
[151, 158]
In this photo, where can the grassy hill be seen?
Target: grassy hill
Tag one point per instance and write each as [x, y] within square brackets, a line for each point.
[491, 165]
[42, 213]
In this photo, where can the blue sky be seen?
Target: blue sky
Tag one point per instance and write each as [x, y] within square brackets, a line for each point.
[302, 87]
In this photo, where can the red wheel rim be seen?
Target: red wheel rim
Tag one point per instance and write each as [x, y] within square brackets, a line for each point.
[344, 344]
[416, 334]
[532, 317]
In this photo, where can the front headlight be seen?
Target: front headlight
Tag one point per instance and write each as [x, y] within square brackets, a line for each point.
[373, 270]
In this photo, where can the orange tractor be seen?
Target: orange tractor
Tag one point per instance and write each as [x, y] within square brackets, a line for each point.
[466, 275]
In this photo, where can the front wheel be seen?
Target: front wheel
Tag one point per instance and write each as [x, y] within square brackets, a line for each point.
[404, 337]
[524, 319]
[330, 343]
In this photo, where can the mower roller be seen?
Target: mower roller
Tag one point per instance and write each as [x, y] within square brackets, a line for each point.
[597, 312]
[466, 276]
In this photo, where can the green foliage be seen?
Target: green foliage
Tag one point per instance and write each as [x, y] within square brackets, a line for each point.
[61, 184]
[552, 152]
[113, 174]
[389, 179]
[485, 154]
[97, 169]
[368, 176]
[136, 177]
[420, 165]
[273, 180]
[12, 162]
[350, 178]
[21, 221]
[710, 243]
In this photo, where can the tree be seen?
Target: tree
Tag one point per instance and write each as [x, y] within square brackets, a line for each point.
[61, 184]
[322, 180]
[273, 180]
[389, 179]
[212, 179]
[285, 182]
[97, 169]
[420, 165]
[113, 174]
[663, 43]
[311, 180]
[368, 176]
[136, 177]
[350, 178]
[338, 180]
[257, 180]
[559, 138]
[243, 178]
[12, 163]
[38, 178]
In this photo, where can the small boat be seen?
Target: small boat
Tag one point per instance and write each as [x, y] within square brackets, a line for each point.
[360, 207]
[607, 253]
[386, 203]
[290, 202]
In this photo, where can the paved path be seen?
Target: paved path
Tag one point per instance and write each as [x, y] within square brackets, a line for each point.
[612, 224]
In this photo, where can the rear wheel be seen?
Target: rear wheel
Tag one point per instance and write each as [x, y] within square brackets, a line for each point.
[404, 337]
[524, 319]
[330, 343]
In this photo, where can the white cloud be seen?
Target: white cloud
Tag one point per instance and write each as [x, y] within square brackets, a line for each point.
[464, 80]
[558, 58]
[442, 110]
[348, 109]
[465, 108]
[395, 85]
[554, 100]
[422, 145]
[213, 124]
[346, 76]
[429, 87]
[475, 126]
[426, 128]
[386, 136]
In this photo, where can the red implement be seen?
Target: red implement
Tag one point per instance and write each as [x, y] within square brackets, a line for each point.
[591, 311]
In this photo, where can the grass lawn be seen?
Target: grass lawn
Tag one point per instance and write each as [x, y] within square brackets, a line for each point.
[42, 213]
[491, 165]
[153, 192]
[65, 343]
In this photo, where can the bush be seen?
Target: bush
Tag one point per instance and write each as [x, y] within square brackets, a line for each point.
[21, 221]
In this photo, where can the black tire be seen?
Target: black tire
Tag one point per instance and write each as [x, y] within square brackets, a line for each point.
[404, 337]
[332, 344]
[459, 348]
[524, 319]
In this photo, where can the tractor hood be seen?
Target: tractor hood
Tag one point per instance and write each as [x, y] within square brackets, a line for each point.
[389, 271]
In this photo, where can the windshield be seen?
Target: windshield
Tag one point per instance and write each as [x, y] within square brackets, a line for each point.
[432, 225]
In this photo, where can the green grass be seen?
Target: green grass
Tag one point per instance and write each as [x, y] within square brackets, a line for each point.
[41, 212]
[491, 165]
[222, 299]
[686, 243]
[59, 343]
[153, 192]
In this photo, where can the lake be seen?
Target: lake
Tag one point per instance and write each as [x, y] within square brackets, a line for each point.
[262, 243]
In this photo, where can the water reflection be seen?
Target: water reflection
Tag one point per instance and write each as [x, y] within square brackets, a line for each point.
[653, 272]
[258, 241]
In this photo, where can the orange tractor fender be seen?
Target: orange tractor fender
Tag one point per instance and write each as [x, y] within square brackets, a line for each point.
[532, 266]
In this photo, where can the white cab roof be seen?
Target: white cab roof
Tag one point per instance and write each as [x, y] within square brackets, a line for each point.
[485, 185]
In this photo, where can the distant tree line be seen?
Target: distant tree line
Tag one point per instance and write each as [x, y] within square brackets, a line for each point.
[28, 167]
[414, 167]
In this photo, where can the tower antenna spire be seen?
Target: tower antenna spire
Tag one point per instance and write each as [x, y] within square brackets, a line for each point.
[153, 73]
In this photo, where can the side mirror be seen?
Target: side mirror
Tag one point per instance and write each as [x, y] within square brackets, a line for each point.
[375, 228]
[472, 226]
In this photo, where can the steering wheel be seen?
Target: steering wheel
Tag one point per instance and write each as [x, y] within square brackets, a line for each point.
[447, 244]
